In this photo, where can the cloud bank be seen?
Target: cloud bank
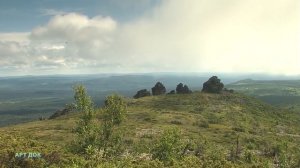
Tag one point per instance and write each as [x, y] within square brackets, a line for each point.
[250, 36]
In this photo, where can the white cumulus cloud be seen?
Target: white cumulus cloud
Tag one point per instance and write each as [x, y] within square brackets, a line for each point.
[193, 35]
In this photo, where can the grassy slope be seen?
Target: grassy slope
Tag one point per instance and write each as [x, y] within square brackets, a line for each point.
[227, 116]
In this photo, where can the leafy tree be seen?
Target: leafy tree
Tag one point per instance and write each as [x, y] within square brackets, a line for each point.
[169, 147]
[97, 141]
[114, 109]
[83, 102]
[113, 114]
[86, 129]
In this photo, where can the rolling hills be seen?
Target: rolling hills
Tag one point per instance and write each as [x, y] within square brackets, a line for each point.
[280, 93]
[213, 123]
[27, 98]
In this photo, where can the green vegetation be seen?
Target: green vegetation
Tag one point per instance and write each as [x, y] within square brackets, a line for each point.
[281, 93]
[177, 130]
[27, 98]
[86, 128]
[168, 147]
[113, 115]
[98, 138]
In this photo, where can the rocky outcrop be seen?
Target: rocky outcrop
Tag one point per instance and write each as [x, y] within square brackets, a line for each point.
[64, 111]
[172, 92]
[213, 85]
[142, 93]
[158, 89]
[180, 89]
[228, 90]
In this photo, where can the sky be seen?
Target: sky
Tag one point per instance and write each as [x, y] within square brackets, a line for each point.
[40, 37]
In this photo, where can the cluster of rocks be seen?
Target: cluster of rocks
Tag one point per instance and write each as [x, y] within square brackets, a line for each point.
[160, 89]
[213, 85]
[182, 89]
[142, 93]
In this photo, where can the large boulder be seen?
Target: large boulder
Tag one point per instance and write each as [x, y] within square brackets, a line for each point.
[158, 89]
[142, 93]
[213, 85]
[180, 89]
